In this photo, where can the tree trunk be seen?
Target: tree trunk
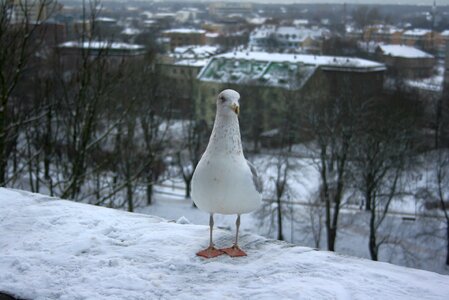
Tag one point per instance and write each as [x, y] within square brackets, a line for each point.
[373, 249]
[331, 236]
[47, 145]
[447, 250]
[129, 195]
[188, 187]
[3, 159]
[279, 213]
[149, 189]
[367, 202]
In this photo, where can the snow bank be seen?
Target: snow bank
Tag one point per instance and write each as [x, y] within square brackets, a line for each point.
[56, 249]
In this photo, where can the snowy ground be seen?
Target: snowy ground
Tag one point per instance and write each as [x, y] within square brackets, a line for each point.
[55, 249]
[418, 243]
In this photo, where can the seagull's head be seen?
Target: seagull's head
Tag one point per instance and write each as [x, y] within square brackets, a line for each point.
[228, 102]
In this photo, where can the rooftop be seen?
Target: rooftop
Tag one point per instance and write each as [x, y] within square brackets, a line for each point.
[403, 51]
[277, 69]
[101, 45]
[416, 32]
[192, 62]
[313, 60]
[185, 31]
[195, 51]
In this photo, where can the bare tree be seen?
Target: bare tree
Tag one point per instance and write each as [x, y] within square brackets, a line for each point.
[332, 120]
[194, 143]
[18, 25]
[442, 182]
[380, 155]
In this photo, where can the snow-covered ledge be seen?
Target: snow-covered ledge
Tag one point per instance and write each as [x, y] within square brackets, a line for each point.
[57, 249]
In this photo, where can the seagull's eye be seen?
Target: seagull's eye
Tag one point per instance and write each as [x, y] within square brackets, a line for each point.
[222, 98]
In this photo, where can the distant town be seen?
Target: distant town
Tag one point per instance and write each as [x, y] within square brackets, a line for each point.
[408, 42]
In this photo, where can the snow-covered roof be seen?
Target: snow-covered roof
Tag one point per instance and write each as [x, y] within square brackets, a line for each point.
[353, 29]
[105, 20]
[192, 62]
[206, 49]
[314, 60]
[185, 31]
[212, 34]
[195, 51]
[386, 29]
[298, 22]
[257, 21]
[149, 23]
[277, 69]
[146, 14]
[130, 31]
[417, 32]
[161, 15]
[403, 51]
[263, 32]
[287, 34]
[101, 45]
[445, 33]
[57, 249]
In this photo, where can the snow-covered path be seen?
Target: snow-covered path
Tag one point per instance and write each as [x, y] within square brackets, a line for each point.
[56, 249]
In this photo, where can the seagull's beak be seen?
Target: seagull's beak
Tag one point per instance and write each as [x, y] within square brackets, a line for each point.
[235, 107]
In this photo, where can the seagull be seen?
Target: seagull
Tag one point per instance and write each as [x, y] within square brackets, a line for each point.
[224, 181]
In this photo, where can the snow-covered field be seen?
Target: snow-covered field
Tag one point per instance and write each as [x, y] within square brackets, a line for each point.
[56, 249]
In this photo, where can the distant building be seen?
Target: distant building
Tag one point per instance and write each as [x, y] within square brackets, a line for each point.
[30, 11]
[383, 33]
[424, 39]
[185, 37]
[354, 33]
[226, 26]
[181, 67]
[288, 38]
[230, 8]
[275, 74]
[73, 51]
[406, 61]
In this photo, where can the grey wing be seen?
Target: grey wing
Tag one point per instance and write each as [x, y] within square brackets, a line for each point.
[256, 179]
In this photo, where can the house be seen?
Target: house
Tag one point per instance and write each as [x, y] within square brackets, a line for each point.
[288, 39]
[383, 33]
[406, 61]
[184, 37]
[181, 67]
[114, 52]
[276, 76]
[230, 8]
[424, 39]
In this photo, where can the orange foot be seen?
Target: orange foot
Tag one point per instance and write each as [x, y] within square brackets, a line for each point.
[210, 252]
[234, 251]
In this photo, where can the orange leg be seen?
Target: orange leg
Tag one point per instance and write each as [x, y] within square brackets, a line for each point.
[235, 251]
[210, 251]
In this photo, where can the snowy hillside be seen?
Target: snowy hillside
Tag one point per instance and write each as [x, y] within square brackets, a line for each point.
[56, 249]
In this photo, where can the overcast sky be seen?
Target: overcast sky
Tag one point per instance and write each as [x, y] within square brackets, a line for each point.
[418, 2]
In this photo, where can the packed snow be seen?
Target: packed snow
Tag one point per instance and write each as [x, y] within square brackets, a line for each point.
[57, 249]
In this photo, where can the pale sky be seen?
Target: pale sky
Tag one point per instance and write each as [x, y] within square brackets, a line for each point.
[416, 2]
